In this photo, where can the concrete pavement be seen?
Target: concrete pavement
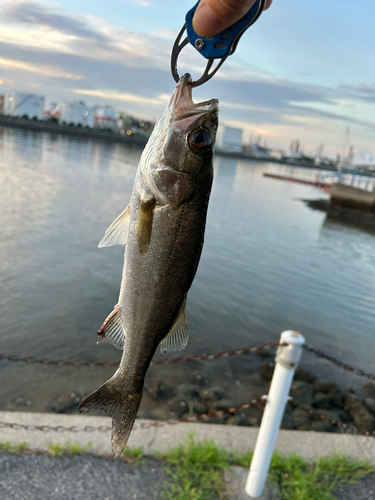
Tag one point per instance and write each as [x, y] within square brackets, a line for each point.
[164, 436]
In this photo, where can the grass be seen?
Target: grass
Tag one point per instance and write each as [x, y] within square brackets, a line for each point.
[195, 470]
[195, 473]
[67, 449]
[134, 456]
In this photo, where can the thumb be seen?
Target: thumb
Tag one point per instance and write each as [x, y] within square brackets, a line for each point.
[213, 16]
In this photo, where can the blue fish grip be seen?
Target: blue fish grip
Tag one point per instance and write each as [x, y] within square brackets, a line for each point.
[225, 43]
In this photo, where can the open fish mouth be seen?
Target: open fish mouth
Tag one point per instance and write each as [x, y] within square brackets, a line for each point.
[183, 104]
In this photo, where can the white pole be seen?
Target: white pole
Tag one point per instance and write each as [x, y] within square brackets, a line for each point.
[287, 358]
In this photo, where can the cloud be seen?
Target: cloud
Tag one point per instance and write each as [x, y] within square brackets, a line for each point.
[52, 48]
[38, 14]
[125, 97]
[49, 71]
[361, 91]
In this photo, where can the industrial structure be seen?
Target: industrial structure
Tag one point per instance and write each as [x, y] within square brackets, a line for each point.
[105, 118]
[24, 105]
[229, 139]
[74, 113]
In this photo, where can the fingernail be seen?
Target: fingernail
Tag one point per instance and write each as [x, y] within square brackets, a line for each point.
[205, 22]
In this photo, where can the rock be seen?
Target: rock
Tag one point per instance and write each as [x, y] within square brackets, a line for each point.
[287, 422]
[322, 400]
[322, 426]
[222, 404]
[218, 419]
[302, 392]
[178, 405]
[305, 427]
[370, 403]
[337, 398]
[266, 370]
[325, 386]
[336, 415]
[300, 417]
[197, 407]
[369, 390]
[65, 402]
[238, 420]
[188, 390]
[199, 378]
[304, 374]
[265, 353]
[362, 417]
[212, 394]
[254, 415]
[147, 415]
[155, 388]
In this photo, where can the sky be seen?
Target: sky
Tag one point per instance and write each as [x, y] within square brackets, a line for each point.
[305, 70]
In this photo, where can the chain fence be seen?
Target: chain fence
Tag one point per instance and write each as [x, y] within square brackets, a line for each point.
[169, 361]
[343, 426]
[200, 357]
[337, 362]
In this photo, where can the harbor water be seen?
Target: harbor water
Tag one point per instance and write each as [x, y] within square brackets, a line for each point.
[269, 264]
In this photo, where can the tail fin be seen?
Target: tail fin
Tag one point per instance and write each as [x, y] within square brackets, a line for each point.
[122, 406]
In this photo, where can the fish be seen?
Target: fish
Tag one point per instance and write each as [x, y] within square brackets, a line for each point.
[163, 231]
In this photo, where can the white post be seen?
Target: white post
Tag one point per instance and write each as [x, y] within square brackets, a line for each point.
[287, 358]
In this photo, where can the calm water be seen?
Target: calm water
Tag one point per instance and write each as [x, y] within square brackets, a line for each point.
[269, 264]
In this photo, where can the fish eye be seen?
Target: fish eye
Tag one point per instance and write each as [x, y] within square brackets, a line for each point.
[199, 140]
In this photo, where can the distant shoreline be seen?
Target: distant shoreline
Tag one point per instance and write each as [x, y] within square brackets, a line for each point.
[133, 139]
[55, 128]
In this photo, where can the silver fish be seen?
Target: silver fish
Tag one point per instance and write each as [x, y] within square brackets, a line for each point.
[163, 228]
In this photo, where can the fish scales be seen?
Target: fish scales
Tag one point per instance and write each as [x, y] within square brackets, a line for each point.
[163, 228]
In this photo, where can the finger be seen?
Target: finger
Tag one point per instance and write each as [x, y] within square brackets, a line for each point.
[213, 16]
[268, 4]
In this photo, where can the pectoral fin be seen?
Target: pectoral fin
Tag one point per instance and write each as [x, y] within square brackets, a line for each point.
[117, 232]
[144, 224]
[178, 336]
[111, 330]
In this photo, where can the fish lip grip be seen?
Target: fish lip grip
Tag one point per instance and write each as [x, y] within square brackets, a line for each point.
[219, 47]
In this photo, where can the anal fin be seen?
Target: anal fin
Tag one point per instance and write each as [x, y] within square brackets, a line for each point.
[117, 232]
[178, 336]
[111, 330]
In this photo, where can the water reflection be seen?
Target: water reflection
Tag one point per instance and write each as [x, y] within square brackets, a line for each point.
[269, 262]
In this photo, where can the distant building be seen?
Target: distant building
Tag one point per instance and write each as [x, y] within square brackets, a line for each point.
[22, 104]
[75, 113]
[260, 152]
[229, 139]
[105, 118]
[50, 111]
[1, 104]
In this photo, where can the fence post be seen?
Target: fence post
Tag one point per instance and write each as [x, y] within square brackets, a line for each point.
[287, 358]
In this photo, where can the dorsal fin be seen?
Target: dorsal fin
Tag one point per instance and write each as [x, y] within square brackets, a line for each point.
[111, 330]
[178, 335]
[117, 232]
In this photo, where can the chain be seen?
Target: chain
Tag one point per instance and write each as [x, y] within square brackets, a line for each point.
[44, 361]
[194, 418]
[201, 357]
[319, 416]
[223, 354]
[337, 362]
[143, 425]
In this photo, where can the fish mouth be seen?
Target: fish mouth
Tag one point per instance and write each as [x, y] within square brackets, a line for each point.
[183, 104]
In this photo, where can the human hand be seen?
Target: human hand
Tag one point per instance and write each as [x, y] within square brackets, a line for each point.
[214, 16]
